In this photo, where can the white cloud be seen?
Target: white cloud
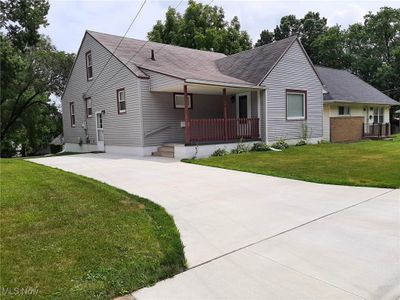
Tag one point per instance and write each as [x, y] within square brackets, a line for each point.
[70, 18]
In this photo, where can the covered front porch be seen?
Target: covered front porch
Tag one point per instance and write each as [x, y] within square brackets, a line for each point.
[210, 113]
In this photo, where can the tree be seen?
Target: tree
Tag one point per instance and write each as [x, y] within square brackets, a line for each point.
[201, 27]
[266, 37]
[312, 26]
[329, 49]
[288, 26]
[32, 70]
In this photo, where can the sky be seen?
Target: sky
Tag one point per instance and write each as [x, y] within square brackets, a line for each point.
[68, 19]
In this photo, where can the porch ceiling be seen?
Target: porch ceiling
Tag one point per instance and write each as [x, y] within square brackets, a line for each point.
[207, 89]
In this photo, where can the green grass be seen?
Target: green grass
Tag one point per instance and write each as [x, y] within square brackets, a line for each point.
[366, 163]
[76, 238]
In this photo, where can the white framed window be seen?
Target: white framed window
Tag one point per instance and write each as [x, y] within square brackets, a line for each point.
[89, 65]
[179, 101]
[72, 113]
[296, 105]
[121, 101]
[88, 104]
[378, 115]
[344, 111]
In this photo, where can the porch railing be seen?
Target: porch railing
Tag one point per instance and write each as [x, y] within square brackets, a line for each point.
[207, 130]
[376, 130]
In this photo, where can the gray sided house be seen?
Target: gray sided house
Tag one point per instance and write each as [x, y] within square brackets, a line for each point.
[145, 98]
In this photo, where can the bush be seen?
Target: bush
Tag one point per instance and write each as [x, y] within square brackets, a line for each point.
[301, 143]
[220, 152]
[260, 147]
[240, 148]
[280, 144]
[323, 142]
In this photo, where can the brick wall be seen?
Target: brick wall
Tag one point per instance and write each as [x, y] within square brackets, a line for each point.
[346, 129]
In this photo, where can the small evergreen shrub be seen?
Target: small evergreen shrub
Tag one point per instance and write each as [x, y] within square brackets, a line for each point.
[240, 148]
[220, 152]
[301, 143]
[260, 147]
[323, 142]
[280, 144]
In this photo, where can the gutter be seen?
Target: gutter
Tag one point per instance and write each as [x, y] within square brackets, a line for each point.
[223, 84]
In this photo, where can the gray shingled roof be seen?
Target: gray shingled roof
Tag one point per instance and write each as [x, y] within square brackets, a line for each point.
[341, 85]
[177, 61]
[252, 65]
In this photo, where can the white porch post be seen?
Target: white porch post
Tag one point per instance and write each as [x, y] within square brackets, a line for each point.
[265, 100]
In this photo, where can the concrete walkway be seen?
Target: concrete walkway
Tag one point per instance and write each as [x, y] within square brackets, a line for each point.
[255, 236]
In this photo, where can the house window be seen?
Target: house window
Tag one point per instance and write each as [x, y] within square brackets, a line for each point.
[296, 102]
[378, 115]
[121, 101]
[88, 103]
[89, 67]
[72, 113]
[344, 110]
[179, 101]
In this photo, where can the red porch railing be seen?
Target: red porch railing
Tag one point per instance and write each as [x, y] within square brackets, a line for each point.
[208, 130]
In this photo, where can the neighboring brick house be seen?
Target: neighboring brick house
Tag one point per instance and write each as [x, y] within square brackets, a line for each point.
[353, 108]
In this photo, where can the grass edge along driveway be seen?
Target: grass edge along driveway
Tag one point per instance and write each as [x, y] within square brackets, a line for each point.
[364, 163]
[71, 237]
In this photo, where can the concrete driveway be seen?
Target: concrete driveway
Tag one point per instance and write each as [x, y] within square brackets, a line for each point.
[261, 237]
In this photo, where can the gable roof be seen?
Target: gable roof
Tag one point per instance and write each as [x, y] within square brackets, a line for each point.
[344, 86]
[183, 63]
[252, 65]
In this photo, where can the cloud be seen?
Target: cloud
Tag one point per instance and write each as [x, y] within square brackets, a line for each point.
[70, 18]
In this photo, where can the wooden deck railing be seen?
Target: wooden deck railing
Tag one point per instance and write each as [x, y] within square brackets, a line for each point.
[213, 130]
[376, 130]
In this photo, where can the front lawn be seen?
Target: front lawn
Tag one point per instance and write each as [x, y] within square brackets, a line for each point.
[71, 237]
[366, 163]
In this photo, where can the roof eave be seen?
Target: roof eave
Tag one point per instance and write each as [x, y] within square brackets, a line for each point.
[224, 84]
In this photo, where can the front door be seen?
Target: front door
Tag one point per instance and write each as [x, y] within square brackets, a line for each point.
[243, 112]
[99, 131]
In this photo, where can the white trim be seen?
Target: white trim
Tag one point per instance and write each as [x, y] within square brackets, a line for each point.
[248, 95]
[259, 111]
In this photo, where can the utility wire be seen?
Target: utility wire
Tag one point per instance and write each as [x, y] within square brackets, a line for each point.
[119, 44]
[132, 57]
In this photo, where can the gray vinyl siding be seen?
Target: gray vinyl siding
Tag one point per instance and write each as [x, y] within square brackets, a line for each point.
[158, 111]
[119, 129]
[293, 72]
[160, 82]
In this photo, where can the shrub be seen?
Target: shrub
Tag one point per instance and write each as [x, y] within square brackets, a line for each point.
[240, 148]
[323, 142]
[301, 143]
[280, 144]
[220, 152]
[260, 147]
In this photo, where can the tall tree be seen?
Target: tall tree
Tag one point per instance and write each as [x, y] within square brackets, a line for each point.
[201, 27]
[32, 69]
[266, 37]
[288, 26]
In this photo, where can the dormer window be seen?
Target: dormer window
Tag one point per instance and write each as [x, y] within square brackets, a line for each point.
[89, 67]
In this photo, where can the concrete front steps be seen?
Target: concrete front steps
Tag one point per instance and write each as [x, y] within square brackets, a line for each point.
[166, 150]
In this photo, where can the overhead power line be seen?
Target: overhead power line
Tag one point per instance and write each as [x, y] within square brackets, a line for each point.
[131, 58]
[119, 44]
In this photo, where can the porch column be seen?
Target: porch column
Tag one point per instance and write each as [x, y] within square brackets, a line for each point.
[225, 113]
[259, 111]
[186, 111]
